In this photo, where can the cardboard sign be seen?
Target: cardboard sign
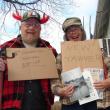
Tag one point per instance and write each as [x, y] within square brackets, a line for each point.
[83, 54]
[31, 63]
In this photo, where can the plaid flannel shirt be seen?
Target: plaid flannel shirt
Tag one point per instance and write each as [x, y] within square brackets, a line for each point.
[57, 83]
[12, 92]
[105, 102]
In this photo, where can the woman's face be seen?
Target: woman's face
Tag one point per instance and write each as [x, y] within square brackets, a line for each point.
[74, 33]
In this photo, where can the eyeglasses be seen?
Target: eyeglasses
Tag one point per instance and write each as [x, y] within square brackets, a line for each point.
[27, 24]
[73, 29]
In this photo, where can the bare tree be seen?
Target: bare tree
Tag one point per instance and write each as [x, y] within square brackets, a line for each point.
[54, 5]
[54, 8]
[50, 7]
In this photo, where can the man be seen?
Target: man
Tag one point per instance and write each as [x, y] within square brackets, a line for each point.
[30, 94]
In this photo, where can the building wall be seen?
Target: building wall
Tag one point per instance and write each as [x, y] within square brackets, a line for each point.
[108, 30]
[102, 19]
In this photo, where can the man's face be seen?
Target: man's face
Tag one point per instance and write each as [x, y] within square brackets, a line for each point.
[74, 33]
[30, 30]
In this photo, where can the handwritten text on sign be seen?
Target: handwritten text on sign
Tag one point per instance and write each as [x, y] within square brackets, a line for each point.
[31, 63]
[82, 54]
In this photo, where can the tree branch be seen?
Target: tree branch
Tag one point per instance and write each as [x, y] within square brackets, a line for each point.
[20, 3]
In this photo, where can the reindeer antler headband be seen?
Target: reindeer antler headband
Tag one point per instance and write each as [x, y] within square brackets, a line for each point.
[31, 14]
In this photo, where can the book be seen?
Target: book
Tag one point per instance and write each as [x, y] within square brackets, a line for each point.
[97, 75]
[76, 78]
[93, 92]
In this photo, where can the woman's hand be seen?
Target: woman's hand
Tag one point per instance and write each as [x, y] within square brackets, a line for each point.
[104, 84]
[66, 91]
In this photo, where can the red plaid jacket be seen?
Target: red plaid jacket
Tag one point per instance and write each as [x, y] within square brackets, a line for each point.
[12, 92]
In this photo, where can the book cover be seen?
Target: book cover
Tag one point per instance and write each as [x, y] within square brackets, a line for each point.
[90, 75]
[76, 78]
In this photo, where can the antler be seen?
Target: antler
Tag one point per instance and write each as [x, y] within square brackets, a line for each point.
[17, 16]
[44, 19]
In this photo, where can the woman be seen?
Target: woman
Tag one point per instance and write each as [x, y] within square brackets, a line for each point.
[73, 31]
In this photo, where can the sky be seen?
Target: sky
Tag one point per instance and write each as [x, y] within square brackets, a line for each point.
[52, 31]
